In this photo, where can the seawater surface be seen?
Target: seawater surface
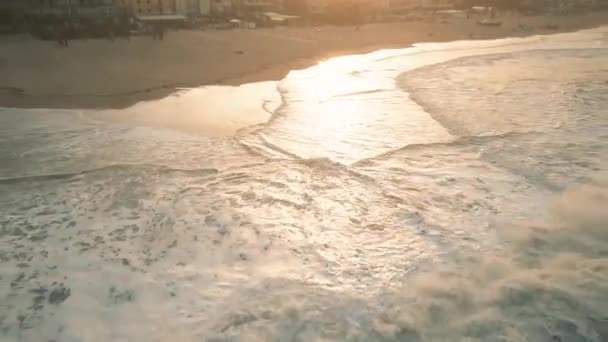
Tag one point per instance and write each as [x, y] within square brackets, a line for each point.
[444, 192]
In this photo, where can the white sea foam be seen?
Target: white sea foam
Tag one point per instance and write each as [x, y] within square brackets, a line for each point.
[447, 192]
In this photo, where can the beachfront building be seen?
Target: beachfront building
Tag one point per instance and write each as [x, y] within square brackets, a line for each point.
[402, 6]
[247, 7]
[11, 15]
[436, 4]
[192, 7]
[324, 8]
[168, 7]
[75, 8]
[152, 7]
[559, 6]
[221, 7]
[11, 6]
[333, 8]
[74, 19]
[198, 7]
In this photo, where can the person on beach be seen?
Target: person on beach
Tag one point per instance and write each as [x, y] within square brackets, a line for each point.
[62, 34]
[110, 29]
[158, 32]
[161, 31]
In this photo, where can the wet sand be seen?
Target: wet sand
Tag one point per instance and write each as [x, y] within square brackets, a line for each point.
[210, 111]
[102, 74]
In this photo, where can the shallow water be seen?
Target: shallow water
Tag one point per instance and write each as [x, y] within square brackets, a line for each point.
[445, 192]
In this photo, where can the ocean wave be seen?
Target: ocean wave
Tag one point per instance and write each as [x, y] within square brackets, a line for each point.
[509, 98]
[106, 169]
[554, 293]
[463, 141]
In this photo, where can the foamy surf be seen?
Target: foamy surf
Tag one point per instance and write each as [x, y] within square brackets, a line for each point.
[446, 192]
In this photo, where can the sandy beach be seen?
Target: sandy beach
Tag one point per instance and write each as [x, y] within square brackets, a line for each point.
[117, 74]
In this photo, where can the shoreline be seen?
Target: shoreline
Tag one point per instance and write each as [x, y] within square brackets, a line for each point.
[102, 85]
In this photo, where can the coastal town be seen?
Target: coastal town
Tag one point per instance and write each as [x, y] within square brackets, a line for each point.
[49, 19]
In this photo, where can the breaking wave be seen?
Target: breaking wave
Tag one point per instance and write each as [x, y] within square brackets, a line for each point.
[465, 201]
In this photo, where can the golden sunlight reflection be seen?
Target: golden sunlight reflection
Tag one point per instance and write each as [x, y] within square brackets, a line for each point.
[348, 108]
[351, 108]
[209, 110]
